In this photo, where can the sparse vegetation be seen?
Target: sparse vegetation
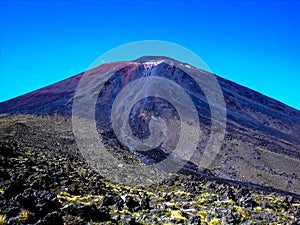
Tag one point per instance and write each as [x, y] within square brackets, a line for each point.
[45, 180]
[2, 219]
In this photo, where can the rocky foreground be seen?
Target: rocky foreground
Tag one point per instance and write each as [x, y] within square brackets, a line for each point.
[44, 180]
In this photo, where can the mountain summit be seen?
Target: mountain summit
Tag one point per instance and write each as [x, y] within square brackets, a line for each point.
[261, 138]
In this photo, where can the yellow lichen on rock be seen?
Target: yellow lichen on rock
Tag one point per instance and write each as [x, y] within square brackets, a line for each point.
[229, 202]
[203, 216]
[78, 199]
[177, 215]
[244, 213]
[2, 219]
[180, 192]
[214, 222]
[160, 200]
[24, 215]
[258, 208]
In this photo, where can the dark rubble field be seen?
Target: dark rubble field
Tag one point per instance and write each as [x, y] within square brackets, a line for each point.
[44, 180]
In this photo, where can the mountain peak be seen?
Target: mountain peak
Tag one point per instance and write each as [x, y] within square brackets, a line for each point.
[262, 138]
[153, 59]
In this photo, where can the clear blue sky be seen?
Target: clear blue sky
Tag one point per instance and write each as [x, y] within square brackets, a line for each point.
[254, 43]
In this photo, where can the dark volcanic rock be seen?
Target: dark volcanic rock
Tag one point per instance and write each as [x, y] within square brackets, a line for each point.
[145, 203]
[51, 218]
[89, 212]
[108, 200]
[38, 202]
[119, 203]
[13, 188]
[130, 203]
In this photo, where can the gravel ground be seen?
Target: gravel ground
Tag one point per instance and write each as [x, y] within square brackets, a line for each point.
[44, 180]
